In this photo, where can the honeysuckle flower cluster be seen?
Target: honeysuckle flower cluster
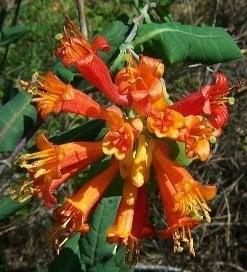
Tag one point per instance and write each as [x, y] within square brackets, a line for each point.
[139, 122]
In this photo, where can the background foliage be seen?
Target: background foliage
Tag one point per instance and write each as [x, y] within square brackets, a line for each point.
[28, 47]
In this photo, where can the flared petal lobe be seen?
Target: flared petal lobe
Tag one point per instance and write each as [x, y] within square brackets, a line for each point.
[141, 81]
[165, 123]
[120, 139]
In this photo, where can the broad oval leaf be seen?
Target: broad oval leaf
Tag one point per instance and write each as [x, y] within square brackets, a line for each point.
[174, 42]
[14, 117]
[115, 33]
[66, 74]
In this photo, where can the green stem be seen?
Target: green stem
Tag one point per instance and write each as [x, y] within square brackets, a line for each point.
[127, 43]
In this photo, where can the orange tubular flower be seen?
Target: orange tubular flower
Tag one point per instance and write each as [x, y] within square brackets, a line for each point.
[54, 164]
[53, 96]
[120, 231]
[73, 215]
[184, 198]
[196, 134]
[141, 227]
[142, 82]
[131, 223]
[165, 123]
[179, 225]
[120, 139]
[135, 140]
[75, 50]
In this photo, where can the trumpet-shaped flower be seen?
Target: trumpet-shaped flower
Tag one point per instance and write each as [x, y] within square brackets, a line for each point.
[190, 196]
[53, 96]
[141, 228]
[131, 223]
[184, 199]
[73, 214]
[76, 50]
[120, 231]
[142, 82]
[209, 100]
[54, 164]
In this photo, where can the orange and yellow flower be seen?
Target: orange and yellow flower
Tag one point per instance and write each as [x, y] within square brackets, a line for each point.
[197, 134]
[166, 123]
[184, 199]
[73, 214]
[135, 141]
[54, 164]
[142, 82]
[53, 96]
[131, 223]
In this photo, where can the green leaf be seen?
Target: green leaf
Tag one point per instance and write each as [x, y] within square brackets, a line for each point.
[85, 132]
[115, 33]
[69, 259]
[116, 186]
[174, 42]
[177, 152]
[14, 118]
[7, 86]
[13, 34]
[96, 253]
[8, 206]
[65, 74]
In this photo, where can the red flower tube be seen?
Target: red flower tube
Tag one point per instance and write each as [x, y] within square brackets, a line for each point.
[75, 50]
[210, 100]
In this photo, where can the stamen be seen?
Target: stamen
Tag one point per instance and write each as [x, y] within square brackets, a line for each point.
[114, 252]
[23, 192]
[61, 245]
[183, 236]
[191, 244]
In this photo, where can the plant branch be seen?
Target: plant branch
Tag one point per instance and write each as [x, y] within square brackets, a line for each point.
[127, 43]
[82, 17]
